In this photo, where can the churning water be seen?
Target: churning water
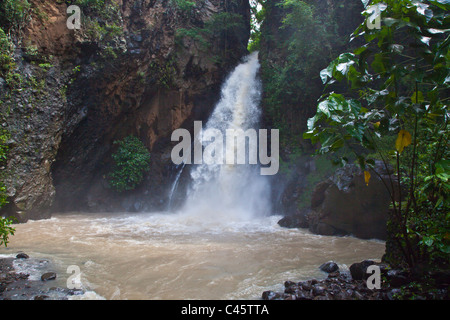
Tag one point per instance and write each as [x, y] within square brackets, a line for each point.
[236, 192]
[175, 256]
[222, 244]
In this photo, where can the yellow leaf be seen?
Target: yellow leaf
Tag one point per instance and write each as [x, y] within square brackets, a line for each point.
[417, 97]
[403, 140]
[366, 177]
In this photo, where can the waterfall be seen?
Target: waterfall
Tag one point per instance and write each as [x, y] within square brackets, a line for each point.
[231, 191]
[175, 185]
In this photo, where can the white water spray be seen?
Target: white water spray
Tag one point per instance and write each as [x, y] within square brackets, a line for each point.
[227, 192]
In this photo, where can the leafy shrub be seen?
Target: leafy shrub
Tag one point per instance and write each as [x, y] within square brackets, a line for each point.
[184, 6]
[5, 229]
[131, 161]
[14, 14]
[7, 63]
[102, 24]
[401, 76]
[297, 41]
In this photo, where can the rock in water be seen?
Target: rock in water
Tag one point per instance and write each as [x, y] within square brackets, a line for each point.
[297, 220]
[22, 255]
[329, 267]
[48, 276]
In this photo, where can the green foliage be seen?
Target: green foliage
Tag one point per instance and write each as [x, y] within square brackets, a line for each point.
[302, 45]
[164, 73]
[185, 6]
[45, 66]
[14, 14]
[32, 51]
[258, 14]
[5, 229]
[196, 34]
[7, 63]
[220, 26]
[109, 52]
[14, 80]
[400, 75]
[131, 161]
[102, 24]
[36, 85]
[255, 42]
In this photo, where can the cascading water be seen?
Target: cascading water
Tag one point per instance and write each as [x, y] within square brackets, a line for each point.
[173, 189]
[230, 192]
[223, 244]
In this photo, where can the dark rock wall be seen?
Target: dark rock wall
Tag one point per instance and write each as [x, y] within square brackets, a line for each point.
[346, 205]
[61, 136]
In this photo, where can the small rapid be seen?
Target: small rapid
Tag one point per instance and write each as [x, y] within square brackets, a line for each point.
[174, 256]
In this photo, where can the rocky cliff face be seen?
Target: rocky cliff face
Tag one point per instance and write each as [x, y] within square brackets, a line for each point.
[345, 205]
[141, 67]
[298, 40]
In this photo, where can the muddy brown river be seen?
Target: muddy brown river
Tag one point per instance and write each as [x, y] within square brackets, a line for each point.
[176, 256]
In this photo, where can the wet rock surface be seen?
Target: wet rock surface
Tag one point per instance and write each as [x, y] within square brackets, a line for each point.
[345, 205]
[48, 276]
[63, 120]
[18, 285]
[342, 204]
[329, 267]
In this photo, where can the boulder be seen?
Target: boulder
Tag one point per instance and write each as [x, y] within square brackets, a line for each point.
[270, 295]
[329, 267]
[397, 278]
[318, 291]
[298, 220]
[22, 255]
[48, 276]
[359, 270]
[345, 205]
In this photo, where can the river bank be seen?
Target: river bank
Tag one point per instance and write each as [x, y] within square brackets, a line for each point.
[37, 284]
[353, 284]
[358, 284]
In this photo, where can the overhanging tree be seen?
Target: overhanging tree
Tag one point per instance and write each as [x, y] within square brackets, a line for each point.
[396, 111]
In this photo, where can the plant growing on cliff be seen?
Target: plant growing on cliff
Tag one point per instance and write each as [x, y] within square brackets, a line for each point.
[163, 73]
[7, 63]
[304, 41]
[131, 161]
[14, 14]
[5, 229]
[102, 25]
[398, 80]
[185, 6]
[215, 32]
